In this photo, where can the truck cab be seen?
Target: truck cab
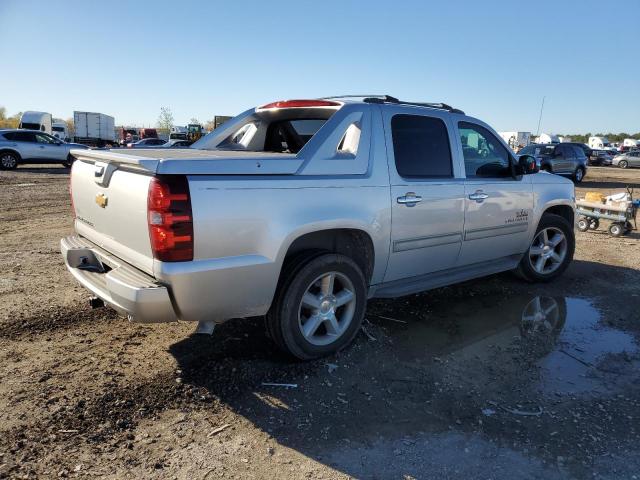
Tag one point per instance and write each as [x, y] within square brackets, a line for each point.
[41, 121]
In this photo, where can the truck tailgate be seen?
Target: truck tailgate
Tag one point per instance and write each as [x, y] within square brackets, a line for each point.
[110, 202]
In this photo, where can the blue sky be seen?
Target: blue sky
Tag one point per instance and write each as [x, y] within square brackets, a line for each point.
[493, 59]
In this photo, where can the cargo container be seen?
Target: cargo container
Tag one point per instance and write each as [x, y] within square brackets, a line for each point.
[94, 129]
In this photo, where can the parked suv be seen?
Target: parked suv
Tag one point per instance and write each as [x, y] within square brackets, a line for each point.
[31, 146]
[560, 158]
[601, 157]
[301, 210]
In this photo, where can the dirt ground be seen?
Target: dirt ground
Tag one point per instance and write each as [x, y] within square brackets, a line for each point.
[459, 382]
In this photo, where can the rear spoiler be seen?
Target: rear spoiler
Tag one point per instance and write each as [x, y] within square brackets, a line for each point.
[108, 156]
[197, 162]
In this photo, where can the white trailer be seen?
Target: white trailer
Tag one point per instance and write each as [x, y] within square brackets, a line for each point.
[516, 140]
[598, 143]
[548, 138]
[631, 142]
[41, 121]
[95, 129]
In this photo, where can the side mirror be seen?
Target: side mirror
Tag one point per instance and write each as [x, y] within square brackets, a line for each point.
[527, 164]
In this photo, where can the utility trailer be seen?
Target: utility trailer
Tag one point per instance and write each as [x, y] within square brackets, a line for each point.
[619, 213]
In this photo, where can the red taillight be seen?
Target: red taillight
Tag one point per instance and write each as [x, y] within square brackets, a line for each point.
[170, 219]
[300, 104]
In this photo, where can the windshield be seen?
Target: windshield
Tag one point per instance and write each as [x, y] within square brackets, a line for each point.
[58, 129]
[31, 126]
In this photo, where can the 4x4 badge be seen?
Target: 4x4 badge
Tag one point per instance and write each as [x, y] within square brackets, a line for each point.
[102, 199]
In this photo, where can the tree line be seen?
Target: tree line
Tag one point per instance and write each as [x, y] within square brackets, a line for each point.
[613, 137]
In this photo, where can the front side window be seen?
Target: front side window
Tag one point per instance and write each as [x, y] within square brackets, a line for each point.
[42, 138]
[484, 155]
[421, 147]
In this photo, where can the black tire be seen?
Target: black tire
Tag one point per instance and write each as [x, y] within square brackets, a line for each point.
[583, 224]
[69, 162]
[578, 175]
[9, 161]
[616, 229]
[623, 164]
[527, 271]
[594, 224]
[283, 321]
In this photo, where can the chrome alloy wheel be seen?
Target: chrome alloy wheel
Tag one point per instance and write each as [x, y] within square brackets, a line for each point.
[541, 314]
[8, 161]
[327, 308]
[548, 250]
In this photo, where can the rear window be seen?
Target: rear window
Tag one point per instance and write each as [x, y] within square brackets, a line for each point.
[537, 150]
[421, 146]
[289, 136]
[278, 130]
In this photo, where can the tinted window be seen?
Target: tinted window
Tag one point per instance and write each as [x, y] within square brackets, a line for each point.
[484, 155]
[21, 136]
[579, 152]
[43, 138]
[421, 146]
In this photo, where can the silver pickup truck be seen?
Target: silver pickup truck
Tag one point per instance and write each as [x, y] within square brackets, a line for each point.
[301, 210]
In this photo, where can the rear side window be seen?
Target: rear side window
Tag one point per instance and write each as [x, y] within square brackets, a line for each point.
[20, 136]
[421, 146]
[579, 152]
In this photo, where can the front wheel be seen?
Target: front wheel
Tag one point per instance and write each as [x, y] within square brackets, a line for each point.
[578, 175]
[319, 306]
[623, 164]
[68, 162]
[583, 224]
[550, 252]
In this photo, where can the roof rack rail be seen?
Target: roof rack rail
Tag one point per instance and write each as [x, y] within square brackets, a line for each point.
[390, 99]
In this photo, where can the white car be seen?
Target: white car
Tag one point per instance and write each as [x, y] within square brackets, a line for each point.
[31, 146]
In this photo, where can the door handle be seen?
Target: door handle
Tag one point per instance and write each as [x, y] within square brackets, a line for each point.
[41, 146]
[479, 196]
[410, 199]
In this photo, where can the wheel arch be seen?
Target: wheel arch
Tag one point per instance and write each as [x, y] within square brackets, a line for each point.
[562, 210]
[11, 150]
[354, 243]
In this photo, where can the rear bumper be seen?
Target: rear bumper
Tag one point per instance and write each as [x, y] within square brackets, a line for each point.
[126, 289]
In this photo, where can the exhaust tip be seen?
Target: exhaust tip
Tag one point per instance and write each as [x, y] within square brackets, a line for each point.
[95, 302]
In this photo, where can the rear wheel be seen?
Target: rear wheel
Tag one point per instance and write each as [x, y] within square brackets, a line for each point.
[319, 306]
[623, 164]
[550, 252]
[616, 229]
[594, 224]
[8, 160]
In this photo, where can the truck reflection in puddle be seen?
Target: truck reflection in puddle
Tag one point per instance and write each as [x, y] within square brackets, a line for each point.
[557, 344]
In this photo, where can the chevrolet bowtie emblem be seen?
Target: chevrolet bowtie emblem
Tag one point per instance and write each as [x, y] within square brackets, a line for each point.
[102, 199]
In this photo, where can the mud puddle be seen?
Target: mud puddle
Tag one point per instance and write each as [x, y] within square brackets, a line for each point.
[558, 344]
